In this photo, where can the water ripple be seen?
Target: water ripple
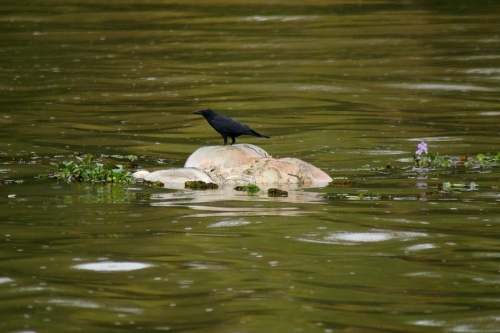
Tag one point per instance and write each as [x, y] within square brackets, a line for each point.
[353, 238]
[110, 266]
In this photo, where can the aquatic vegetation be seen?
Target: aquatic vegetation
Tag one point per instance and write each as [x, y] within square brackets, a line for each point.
[88, 169]
[275, 192]
[340, 182]
[486, 160]
[155, 184]
[446, 189]
[459, 187]
[428, 165]
[426, 159]
[362, 195]
[200, 185]
[422, 148]
[251, 189]
[433, 174]
[435, 191]
[121, 157]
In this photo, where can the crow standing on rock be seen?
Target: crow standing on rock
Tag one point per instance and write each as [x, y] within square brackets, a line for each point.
[226, 126]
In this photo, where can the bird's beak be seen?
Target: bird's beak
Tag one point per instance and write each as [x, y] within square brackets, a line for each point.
[198, 112]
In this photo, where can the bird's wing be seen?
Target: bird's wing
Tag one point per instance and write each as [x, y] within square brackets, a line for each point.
[228, 125]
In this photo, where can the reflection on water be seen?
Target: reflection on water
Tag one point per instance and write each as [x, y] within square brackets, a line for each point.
[439, 86]
[364, 237]
[226, 224]
[217, 202]
[348, 86]
[109, 266]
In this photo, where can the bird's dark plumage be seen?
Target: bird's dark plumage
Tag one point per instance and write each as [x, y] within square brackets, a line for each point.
[226, 126]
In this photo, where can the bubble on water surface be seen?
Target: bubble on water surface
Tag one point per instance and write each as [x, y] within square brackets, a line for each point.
[109, 266]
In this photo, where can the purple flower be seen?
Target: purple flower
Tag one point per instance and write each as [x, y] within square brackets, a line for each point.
[422, 148]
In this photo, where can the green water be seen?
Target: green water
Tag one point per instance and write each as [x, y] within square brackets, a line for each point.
[349, 86]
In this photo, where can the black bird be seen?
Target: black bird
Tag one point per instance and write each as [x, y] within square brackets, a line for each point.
[227, 127]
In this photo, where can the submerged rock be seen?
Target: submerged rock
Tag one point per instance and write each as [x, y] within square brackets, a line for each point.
[240, 164]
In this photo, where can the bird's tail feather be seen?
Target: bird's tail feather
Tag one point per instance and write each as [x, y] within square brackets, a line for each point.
[259, 134]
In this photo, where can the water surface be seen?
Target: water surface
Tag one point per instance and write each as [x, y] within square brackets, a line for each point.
[349, 86]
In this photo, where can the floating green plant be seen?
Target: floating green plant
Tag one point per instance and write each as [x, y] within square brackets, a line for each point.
[485, 160]
[251, 189]
[87, 169]
[425, 159]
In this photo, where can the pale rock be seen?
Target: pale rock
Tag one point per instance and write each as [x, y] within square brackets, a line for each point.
[227, 164]
[290, 171]
[225, 158]
[241, 164]
[175, 178]
[141, 174]
[245, 163]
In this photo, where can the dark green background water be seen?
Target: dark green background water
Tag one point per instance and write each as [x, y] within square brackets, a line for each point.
[344, 85]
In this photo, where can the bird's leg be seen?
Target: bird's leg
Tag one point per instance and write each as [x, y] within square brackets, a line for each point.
[233, 140]
[225, 139]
